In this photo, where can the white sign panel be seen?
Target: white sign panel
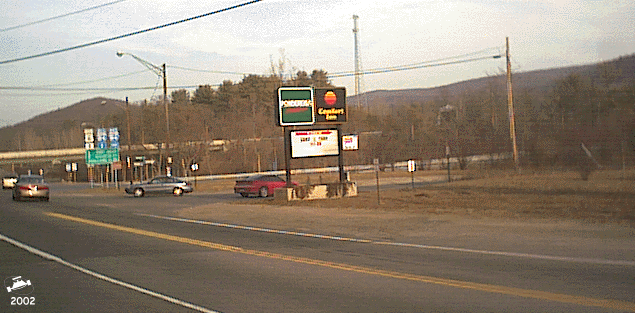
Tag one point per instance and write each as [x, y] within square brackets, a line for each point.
[312, 143]
[412, 166]
[350, 142]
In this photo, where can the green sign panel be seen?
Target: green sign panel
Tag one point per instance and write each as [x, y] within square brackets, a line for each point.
[102, 156]
[295, 106]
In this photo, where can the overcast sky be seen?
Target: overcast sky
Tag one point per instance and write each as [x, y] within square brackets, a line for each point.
[314, 35]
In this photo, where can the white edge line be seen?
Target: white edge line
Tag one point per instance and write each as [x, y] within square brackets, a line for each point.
[59, 260]
[388, 243]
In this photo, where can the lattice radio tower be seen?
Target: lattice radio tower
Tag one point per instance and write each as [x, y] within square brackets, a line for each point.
[358, 62]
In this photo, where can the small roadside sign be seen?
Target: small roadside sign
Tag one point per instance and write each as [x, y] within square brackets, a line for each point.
[412, 166]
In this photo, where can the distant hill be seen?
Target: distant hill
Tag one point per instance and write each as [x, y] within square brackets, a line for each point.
[536, 82]
[68, 119]
[540, 81]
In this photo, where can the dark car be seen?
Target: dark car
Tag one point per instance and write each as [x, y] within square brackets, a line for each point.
[260, 185]
[160, 184]
[31, 187]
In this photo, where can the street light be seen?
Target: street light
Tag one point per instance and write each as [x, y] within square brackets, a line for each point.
[160, 71]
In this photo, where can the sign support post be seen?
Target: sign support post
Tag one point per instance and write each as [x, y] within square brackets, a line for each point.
[287, 155]
[340, 156]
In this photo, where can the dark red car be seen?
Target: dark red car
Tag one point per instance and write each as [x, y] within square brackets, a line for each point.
[260, 185]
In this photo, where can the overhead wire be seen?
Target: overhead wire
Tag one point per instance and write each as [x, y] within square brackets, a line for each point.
[209, 71]
[335, 75]
[60, 16]
[126, 35]
[423, 64]
[95, 80]
[386, 70]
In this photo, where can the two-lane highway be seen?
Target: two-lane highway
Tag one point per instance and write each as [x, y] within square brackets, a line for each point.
[114, 253]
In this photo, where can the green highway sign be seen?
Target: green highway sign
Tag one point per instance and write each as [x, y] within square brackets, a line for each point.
[295, 106]
[102, 156]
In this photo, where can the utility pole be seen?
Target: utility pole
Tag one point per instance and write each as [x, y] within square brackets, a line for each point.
[167, 117]
[510, 104]
[159, 70]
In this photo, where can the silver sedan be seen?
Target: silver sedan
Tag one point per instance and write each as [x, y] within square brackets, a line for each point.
[160, 184]
[31, 187]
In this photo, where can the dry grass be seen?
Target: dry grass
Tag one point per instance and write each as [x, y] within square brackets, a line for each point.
[608, 196]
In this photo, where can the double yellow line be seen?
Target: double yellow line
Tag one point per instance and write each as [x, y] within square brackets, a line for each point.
[527, 293]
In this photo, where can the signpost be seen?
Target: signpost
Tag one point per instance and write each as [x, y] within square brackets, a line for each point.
[412, 167]
[308, 106]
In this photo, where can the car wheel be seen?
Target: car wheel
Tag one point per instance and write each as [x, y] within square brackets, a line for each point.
[139, 192]
[244, 194]
[177, 191]
[47, 199]
[264, 192]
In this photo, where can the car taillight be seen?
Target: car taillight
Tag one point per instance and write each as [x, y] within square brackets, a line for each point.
[43, 188]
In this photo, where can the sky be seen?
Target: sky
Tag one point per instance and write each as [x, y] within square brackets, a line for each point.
[307, 35]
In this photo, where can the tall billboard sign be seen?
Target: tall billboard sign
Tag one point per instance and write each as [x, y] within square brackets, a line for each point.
[295, 106]
[330, 105]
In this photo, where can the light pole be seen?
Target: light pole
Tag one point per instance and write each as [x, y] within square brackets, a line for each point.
[161, 72]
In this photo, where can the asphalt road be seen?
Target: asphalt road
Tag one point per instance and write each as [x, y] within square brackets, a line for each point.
[110, 253]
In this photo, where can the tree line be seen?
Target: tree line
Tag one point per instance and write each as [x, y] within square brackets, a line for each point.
[594, 109]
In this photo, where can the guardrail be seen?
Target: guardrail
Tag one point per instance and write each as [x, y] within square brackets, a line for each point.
[433, 164]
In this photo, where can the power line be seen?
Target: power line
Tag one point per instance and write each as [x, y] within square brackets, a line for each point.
[416, 65]
[60, 16]
[209, 71]
[32, 88]
[95, 80]
[404, 68]
[126, 35]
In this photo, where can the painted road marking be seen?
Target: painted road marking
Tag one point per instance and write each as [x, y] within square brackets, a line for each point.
[258, 229]
[399, 244]
[527, 293]
[61, 261]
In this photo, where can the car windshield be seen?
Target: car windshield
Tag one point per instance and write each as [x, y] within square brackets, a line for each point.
[31, 180]
[264, 178]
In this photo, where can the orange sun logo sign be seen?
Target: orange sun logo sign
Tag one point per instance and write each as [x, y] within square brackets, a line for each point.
[330, 98]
